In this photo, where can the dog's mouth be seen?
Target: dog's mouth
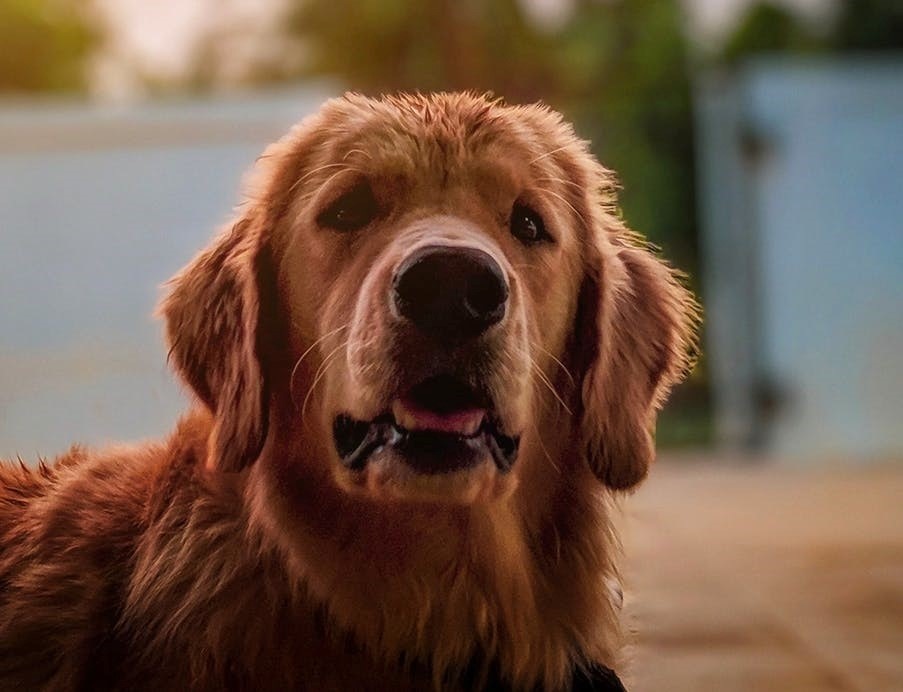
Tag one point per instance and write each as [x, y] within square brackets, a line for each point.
[439, 426]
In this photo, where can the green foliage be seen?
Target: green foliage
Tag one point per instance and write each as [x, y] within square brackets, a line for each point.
[869, 25]
[390, 45]
[768, 28]
[629, 92]
[860, 25]
[43, 46]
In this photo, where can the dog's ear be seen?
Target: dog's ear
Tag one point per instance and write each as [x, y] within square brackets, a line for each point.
[213, 319]
[636, 329]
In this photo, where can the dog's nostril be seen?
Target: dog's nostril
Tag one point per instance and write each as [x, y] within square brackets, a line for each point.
[485, 296]
[415, 287]
[451, 292]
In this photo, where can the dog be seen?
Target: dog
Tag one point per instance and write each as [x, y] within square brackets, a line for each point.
[425, 355]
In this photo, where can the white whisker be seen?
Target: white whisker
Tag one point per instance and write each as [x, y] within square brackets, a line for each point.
[549, 153]
[545, 380]
[573, 208]
[334, 175]
[291, 381]
[545, 450]
[357, 151]
[558, 362]
[327, 166]
[321, 372]
[561, 180]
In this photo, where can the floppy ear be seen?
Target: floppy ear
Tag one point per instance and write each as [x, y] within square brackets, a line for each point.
[213, 319]
[636, 327]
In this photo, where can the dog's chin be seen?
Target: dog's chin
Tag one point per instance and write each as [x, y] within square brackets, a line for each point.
[390, 476]
[438, 442]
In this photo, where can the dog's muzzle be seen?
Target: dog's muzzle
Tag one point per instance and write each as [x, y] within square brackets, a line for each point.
[446, 299]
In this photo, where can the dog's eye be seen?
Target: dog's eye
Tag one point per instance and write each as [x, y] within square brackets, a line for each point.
[527, 225]
[353, 210]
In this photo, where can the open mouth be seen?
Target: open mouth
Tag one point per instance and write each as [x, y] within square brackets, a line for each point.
[439, 426]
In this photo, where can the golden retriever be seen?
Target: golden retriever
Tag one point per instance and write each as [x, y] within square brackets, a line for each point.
[425, 354]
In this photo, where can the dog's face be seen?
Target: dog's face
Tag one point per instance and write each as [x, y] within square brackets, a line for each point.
[428, 252]
[437, 287]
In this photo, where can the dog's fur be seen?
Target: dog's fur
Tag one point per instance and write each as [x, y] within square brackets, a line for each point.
[240, 554]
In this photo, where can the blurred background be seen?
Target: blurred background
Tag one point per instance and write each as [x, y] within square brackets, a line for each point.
[759, 144]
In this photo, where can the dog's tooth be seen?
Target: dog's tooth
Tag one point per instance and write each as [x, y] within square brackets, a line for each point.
[473, 426]
[403, 418]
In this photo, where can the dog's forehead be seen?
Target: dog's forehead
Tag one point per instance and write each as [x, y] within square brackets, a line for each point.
[442, 152]
[420, 135]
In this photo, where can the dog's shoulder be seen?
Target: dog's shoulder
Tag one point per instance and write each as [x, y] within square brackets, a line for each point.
[46, 580]
[24, 490]
[69, 532]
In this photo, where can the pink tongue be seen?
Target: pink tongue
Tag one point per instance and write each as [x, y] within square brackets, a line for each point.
[463, 422]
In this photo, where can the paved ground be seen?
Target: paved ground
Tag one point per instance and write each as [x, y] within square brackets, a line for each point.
[758, 578]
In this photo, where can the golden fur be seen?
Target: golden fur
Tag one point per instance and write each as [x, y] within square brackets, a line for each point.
[238, 553]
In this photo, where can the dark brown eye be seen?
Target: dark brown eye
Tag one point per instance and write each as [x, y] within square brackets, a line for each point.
[352, 211]
[527, 225]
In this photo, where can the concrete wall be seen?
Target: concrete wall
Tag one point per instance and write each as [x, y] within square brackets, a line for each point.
[802, 197]
[98, 207]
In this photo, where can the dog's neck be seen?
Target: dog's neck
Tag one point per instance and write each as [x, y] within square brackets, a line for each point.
[407, 580]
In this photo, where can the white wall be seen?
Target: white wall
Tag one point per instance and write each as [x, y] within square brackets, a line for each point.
[803, 192]
[98, 208]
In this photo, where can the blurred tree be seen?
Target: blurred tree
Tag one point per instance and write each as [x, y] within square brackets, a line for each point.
[859, 25]
[389, 45]
[768, 28]
[869, 25]
[44, 46]
[624, 75]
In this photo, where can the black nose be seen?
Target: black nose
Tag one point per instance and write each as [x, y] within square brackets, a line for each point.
[450, 292]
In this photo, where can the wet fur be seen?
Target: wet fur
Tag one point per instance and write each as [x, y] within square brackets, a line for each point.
[227, 557]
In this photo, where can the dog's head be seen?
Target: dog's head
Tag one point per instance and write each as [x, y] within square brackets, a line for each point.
[440, 287]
